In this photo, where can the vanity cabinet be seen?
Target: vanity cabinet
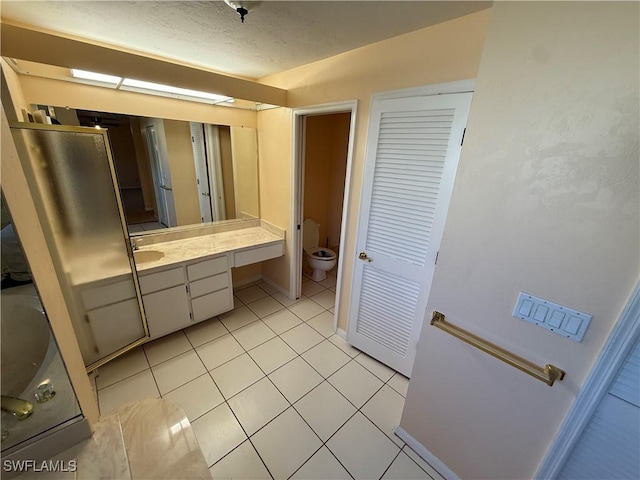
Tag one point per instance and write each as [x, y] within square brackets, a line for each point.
[210, 287]
[180, 296]
[166, 301]
[111, 317]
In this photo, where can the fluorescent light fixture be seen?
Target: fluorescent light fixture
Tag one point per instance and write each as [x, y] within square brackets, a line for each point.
[96, 77]
[185, 92]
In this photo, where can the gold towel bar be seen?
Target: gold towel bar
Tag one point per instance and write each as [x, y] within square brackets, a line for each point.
[548, 374]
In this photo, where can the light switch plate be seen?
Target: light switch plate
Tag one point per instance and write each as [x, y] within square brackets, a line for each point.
[559, 319]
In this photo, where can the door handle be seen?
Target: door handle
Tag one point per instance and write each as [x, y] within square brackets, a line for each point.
[205, 194]
[363, 256]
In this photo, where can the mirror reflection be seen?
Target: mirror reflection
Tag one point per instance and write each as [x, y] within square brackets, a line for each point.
[174, 173]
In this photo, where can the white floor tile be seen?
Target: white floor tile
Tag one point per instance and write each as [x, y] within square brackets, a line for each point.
[302, 338]
[250, 294]
[257, 405]
[326, 298]
[219, 351]
[323, 324]
[342, 344]
[284, 300]
[218, 432]
[131, 389]
[295, 379]
[306, 309]
[206, 331]
[403, 468]
[177, 371]
[326, 358]
[241, 463]
[253, 335]
[328, 282]
[363, 449]
[166, 347]
[399, 383]
[238, 318]
[272, 354]
[380, 370]
[356, 383]
[281, 321]
[236, 375]
[332, 289]
[286, 444]
[332, 310]
[310, 288]
[322, 466]
[196, 397]
[422, 464]
[122, 367]
[265, 306]
[325, 410]
[385, 410]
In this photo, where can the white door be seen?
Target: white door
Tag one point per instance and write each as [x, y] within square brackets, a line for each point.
[413, 145]
[609, 446]
[161, 177]
[202, 174]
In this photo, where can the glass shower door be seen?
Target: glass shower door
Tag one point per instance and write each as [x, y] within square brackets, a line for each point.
[72, 180]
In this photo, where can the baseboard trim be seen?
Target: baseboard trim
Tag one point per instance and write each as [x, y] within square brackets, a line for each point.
[273, 284]
[341, 333]
[426, 455]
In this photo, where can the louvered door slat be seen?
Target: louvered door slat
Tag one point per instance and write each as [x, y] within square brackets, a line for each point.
[411, 159]
[627, 384]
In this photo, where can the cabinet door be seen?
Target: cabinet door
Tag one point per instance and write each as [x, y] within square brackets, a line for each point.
[167, 310]
[113, 327]
[212, 304]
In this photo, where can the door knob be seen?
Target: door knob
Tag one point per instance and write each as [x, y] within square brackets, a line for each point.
[363, 256]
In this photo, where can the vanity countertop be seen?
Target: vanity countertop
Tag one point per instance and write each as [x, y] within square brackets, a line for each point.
[178, 251]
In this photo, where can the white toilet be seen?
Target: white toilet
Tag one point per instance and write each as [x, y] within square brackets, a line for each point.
[320, 259]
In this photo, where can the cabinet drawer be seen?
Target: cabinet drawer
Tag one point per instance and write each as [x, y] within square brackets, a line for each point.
[108, 294]
[207, 268]
[212, 304]
[258, 254]
[209, 285]
[159, 281]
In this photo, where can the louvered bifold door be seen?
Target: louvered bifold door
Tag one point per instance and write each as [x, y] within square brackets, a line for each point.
[609, 446]
[413, 145]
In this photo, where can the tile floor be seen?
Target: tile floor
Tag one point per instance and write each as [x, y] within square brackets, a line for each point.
[145, 227]
[272, 392]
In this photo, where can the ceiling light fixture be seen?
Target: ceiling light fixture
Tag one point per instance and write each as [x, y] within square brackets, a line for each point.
[96, 77]
[130, 83]
[242, 7]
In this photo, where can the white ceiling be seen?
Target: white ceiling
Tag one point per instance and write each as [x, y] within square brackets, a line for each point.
[276, 36]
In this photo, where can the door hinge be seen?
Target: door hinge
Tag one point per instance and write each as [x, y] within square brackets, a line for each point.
[190, 316]
[298, 227]
[187, 288]
[437, 253]
[463, 133]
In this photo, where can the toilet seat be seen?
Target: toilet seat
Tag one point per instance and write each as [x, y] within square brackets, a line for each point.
[321, 253]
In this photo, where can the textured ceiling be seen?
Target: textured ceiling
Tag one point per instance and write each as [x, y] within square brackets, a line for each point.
[276, 36]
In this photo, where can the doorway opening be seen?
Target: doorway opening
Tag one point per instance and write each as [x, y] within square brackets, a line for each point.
[322, 163]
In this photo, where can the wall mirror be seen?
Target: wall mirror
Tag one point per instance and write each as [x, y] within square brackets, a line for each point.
[173, 173]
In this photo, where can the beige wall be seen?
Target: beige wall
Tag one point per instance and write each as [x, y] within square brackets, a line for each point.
[14, 87]
[183, 172]
[445, 52]
[326, 142]
[244, 148]
[87, 97]
[546, 202]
